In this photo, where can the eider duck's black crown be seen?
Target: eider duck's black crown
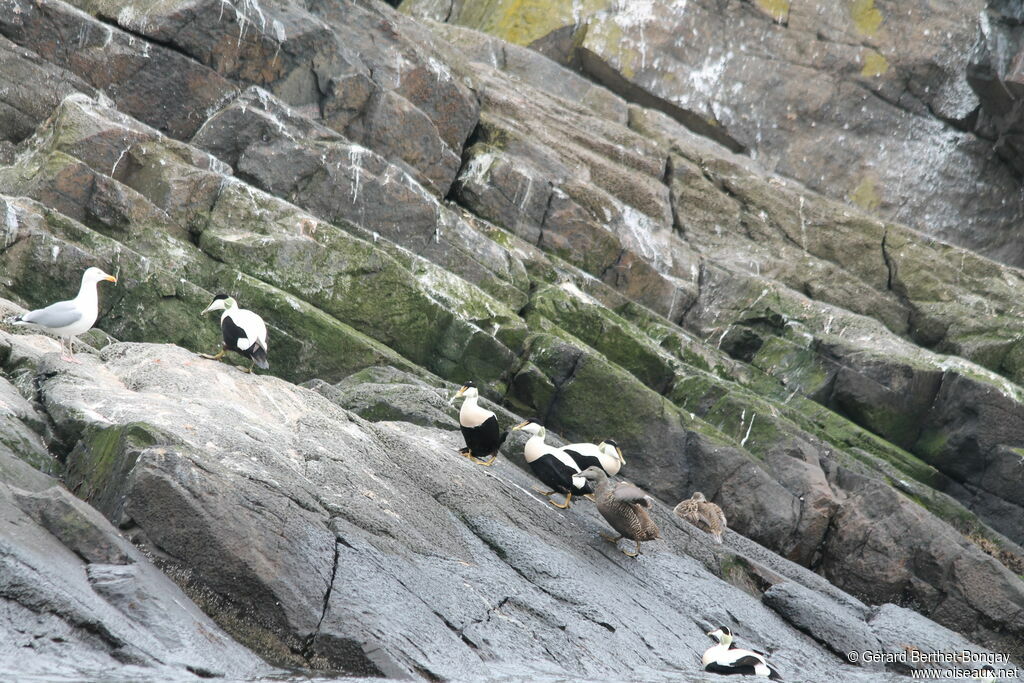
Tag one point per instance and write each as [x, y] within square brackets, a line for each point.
[611, 442]
[726, 631]
[221, 296]
[468, 383]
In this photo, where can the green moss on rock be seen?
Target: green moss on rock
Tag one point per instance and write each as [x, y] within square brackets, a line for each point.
[104, 457]
[614, 337]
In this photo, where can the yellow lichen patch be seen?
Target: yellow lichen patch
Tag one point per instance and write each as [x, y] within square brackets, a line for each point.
[866, 17]
[778, 10]
[607, 39]
[524, 21]
[865, 195]
[875, 64]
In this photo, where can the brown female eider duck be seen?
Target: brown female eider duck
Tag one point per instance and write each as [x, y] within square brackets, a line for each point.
[704, 515]
[624, 506]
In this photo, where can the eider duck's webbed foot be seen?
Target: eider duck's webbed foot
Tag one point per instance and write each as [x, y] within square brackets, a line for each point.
[217, 356]
[565, 504]
[472, 458]
[634, 553]
[609, 537]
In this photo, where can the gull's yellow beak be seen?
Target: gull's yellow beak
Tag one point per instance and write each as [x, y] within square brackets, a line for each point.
[111, 278]
[521, 425]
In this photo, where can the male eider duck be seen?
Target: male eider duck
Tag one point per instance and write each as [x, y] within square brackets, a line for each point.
[726, 658]
[70, 318]
[607, 455]
[704, 515]
[624, 506]
[244, 332]
[479, 427]
[551, 465]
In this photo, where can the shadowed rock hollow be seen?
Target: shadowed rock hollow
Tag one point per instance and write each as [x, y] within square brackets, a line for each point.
[410, 204]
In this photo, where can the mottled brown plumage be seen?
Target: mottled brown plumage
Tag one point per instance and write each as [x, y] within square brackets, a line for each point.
[702, 514]
[624, 506]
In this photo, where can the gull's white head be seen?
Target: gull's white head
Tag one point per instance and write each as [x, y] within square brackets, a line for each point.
[221, 302]
[93, 275]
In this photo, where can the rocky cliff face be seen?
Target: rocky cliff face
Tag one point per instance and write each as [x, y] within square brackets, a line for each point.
[907, 109]
[411, 203]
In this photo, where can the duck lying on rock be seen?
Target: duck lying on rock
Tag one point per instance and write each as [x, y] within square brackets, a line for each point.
[244, 332]
[70, 318]
[607, 455]
[479, 427]
[726, 658]
[703, 514]
[625, 507]
[552, 465]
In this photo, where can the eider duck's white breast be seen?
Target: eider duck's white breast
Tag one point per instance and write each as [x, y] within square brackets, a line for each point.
[712, 653]
[472, 415]
[534, 448]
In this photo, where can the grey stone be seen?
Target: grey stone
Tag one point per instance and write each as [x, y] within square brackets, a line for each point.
[838, 628]
[905, 634]
[336, 527]
[65, 611]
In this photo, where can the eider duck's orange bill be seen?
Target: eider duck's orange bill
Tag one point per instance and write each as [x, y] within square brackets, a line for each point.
[521, 425]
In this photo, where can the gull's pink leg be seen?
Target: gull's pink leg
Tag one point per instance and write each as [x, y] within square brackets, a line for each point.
[71, 350]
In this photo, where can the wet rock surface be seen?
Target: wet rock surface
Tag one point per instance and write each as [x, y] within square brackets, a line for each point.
[79, 600]
[411, 204]
[322, 539]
